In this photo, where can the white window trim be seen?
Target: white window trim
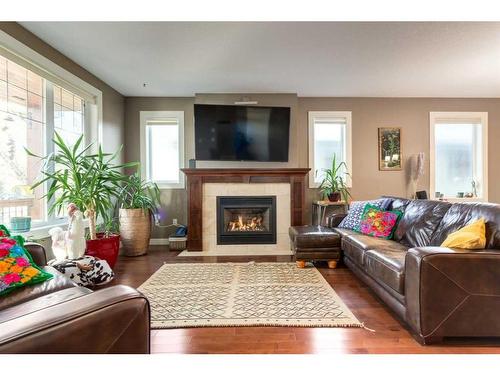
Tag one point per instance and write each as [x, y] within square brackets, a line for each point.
[23, 55]
[440, 117]
[347, 116]
[20, 53]
[146, 116]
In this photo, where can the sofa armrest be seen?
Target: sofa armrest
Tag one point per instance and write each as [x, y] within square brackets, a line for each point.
[111, 320]
[37, 252]
[334, 220]
[452, 292]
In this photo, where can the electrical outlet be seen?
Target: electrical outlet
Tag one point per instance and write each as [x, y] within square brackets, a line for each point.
[174, 221]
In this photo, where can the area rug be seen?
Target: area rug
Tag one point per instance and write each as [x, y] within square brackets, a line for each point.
[243, 294]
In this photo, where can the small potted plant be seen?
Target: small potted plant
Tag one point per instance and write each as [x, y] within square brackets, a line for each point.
[333, 185]
[139, 200]
[92, 182]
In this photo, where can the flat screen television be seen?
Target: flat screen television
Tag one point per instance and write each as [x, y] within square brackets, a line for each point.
[241, 133]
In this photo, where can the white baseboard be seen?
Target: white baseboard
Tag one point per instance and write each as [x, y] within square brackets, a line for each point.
[158, 241]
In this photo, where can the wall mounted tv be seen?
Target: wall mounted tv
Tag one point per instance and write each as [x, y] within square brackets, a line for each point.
[241, 133]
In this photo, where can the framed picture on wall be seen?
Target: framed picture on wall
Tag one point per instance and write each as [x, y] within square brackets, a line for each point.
[389, 149]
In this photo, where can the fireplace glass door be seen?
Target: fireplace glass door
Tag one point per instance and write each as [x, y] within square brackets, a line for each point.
[246, 220]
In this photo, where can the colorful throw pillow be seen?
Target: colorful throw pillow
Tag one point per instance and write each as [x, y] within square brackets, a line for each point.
[356, 208]
[378, 223]
[472, 236]
[17, 268]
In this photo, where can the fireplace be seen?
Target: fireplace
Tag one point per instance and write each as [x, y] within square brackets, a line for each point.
[246, 220]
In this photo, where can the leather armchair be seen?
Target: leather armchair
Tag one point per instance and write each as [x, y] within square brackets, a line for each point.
[57, 316]
[452, 292]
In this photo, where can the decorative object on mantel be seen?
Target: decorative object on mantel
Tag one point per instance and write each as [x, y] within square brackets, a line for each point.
[243, 294]
[416, 171]
[334, 185]
[389, 149]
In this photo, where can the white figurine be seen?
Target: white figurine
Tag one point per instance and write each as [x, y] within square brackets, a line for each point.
[69, 244]
[58, 243]
[75, 236]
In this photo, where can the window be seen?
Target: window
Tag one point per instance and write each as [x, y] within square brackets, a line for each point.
[329, 134]
[31, 109]
[162, 147]
[459, 155]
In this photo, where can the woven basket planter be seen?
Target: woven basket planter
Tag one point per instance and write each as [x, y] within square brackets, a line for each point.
[135, 231]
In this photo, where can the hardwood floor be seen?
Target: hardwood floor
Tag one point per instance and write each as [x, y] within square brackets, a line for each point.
[390, 335]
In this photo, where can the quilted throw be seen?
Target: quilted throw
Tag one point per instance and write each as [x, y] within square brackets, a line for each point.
[17, 269]
[378, 223]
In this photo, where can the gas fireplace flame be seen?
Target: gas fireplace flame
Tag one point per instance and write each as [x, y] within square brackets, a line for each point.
[246, 224]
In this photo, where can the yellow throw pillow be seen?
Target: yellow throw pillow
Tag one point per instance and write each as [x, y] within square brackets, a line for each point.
[472, 236]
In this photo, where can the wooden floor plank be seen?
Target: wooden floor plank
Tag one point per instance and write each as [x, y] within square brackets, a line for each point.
[390, 336]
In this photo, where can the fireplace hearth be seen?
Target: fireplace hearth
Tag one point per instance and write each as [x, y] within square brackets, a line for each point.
[246, 220]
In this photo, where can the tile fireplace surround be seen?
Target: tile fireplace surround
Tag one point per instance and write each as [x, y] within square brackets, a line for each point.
[205, 185]
[209, 229]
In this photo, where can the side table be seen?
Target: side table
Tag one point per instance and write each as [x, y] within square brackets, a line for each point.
[320, 208]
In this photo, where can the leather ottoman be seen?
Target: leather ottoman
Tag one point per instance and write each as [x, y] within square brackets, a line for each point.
[310, 243]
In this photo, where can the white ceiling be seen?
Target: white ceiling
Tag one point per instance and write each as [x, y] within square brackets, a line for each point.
[311, 59]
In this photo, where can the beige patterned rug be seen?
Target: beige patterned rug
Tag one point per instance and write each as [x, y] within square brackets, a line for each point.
[243, 294]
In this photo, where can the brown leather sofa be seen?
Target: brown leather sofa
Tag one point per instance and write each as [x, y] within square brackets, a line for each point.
[57, 316]
[439, 292]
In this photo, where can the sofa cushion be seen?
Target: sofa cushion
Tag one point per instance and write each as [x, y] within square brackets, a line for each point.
[355, 246]
[472, 237]
[378, 223]
[57, 282]
[387, 267]
[17, 268]
[399, 204]
[462, 214]
[314, 237]
[356, 209]
[345, 232]
[420, 220]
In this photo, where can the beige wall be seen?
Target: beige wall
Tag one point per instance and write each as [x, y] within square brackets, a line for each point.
[113, 102]
[368, 114]
[174, 201]
[412, 115]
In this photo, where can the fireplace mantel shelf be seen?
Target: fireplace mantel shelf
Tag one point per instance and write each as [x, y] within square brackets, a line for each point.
[196, 177]
[244, 171]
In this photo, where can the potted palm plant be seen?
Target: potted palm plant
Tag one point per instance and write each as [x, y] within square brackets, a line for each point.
[139, 200]
[92, 182]
[333, 185]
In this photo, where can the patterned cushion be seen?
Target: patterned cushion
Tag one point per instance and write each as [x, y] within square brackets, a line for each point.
[378, 223]
[17, 269]
[353, 218]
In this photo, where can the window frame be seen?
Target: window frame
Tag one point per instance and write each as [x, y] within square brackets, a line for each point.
[145, 117]
[347, 117]
[458, 118]
[28, 58]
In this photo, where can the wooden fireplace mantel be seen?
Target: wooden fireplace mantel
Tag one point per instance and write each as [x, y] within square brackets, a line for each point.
[196, 177]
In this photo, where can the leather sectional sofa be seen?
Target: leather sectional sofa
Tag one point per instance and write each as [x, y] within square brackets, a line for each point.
[57, 316]
[439, 292]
